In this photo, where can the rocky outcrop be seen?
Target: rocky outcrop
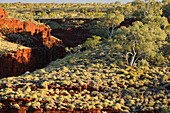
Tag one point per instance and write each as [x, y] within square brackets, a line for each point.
[16, 62]
[16, 26]
[43, 47]
[40, 31]
[3, 13]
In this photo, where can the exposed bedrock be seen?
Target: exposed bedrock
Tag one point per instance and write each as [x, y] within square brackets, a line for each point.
[43, 48]
[3, 13]
[15, 63]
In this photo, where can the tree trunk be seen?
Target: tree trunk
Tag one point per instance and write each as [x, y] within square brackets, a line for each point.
[132, 60]
[133, 57]
[127, 57]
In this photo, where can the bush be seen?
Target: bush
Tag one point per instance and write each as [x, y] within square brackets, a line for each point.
[92, 42]
[143, 63]
[158, 59]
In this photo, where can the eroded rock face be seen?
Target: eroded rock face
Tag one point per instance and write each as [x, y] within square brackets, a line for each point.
[3, 13]
[16, 26]
[43, 47]
[16, 62]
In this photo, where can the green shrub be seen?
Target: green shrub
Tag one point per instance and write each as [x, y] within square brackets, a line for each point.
[92, 42]
[143, 63]
[157, 59]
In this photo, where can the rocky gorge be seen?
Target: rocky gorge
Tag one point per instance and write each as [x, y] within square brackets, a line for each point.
[42, 47]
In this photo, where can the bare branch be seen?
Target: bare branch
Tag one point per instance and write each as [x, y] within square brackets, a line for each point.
[127, 57]
[120, 55]
[134, 52]
[143, 11]
[137, 58]
[157, 11]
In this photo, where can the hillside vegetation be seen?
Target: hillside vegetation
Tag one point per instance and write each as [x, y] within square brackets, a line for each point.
[89, 80]
[123, 67]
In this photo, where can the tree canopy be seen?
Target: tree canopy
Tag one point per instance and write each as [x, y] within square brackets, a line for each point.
[139, 41]
[110, 21]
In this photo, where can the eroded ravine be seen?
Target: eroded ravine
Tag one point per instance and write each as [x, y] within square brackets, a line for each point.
[72, 34]
[42, 48]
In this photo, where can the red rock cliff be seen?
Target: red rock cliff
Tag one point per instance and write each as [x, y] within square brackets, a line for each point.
[16, 62]
[43, 49]
[3, 13]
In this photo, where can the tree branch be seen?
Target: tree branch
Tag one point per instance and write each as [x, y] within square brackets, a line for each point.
[143, 11]
[157, 11]
[127, 57]
[137, 58]
[107, 30]
[133, 48]
[134, 54]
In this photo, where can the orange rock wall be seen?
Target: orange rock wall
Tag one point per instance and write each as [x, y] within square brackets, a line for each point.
[3, 13]
[16, 62]
[16, 26]
[42, 50]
